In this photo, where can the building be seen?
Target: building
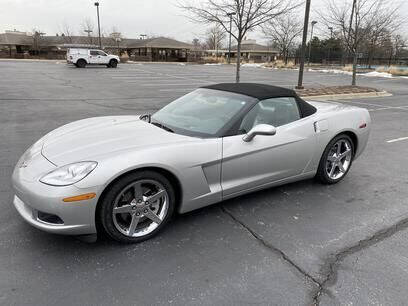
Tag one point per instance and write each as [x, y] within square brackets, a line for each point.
[16, 44]
[251, 51]
[157, 49]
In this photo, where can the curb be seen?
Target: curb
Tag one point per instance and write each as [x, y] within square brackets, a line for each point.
[349, 96]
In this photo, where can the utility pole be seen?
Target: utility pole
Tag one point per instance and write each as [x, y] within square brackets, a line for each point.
[99, 25]
[355, 59]
[310, 42]
[303, 49]
[88, 32]
[230, 30]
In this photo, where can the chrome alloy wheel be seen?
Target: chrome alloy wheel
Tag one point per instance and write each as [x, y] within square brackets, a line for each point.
[339, 159]
[140, 208]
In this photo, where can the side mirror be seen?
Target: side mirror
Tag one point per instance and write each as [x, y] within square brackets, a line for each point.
[260, 129]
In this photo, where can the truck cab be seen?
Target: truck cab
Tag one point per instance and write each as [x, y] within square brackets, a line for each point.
[81, 57]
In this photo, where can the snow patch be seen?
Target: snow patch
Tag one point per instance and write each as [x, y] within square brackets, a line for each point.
[252, 65]
[378, 74]
[213, 64]
[335, 71]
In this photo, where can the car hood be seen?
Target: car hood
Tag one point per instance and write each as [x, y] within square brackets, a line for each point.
[87, 139]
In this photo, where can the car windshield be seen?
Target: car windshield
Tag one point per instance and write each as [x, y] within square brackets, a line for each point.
[203, 112]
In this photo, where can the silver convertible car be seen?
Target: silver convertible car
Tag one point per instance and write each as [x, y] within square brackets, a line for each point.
[127, 175]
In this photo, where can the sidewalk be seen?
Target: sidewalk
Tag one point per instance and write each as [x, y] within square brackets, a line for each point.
[341, 92]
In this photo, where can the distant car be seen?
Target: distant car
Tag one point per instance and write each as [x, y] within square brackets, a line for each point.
[129, 174]
[81, 57]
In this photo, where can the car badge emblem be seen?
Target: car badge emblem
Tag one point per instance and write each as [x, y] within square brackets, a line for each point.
[24, 164]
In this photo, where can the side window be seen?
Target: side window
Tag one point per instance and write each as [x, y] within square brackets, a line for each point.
[275, 111]
[93, 53]
[101, 53]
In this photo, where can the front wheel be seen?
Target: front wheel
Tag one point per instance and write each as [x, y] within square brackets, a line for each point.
[137, 206]
[336, 160]
[113, 63]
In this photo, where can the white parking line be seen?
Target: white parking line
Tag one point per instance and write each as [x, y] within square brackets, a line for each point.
[184, 89]
[173, 84]
[397, 139]
[379, 106]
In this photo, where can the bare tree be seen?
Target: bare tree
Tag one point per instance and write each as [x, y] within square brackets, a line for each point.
[363, 20]
[37, 40]
[214, 38]
[67, 33]
[399, 43]
[283, 32]
[249, 15]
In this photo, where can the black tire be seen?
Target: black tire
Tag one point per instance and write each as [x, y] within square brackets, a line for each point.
[113, 63]
[106, 206]
[322, 174]
[81, 63]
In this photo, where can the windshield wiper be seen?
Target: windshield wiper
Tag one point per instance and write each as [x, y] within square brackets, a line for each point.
[162, 126]
[146, 116]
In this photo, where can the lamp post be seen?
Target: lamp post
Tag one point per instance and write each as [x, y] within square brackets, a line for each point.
[303, 49]
[99, 24]
[310, 45]
[330, 41]
[230, 30]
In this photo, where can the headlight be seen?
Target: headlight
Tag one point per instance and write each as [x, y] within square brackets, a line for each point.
[69, 174]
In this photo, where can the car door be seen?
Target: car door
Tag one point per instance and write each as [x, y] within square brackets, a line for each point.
[266, 159]
[102, 57]
[94, 57]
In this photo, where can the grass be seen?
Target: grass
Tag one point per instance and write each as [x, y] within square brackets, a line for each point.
[394, 70]
[348, 68]
[280, 64]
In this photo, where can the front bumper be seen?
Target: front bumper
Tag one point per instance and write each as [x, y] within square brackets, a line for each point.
[34, 199]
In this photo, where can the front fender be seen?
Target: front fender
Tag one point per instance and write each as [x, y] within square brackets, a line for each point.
[197, 166]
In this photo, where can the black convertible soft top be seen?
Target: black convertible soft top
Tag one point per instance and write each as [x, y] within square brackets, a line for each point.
[264, 91]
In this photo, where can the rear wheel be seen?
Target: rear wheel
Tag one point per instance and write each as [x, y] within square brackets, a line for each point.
[336, 160]
[137, 206]
[113, 63]
[81, 63]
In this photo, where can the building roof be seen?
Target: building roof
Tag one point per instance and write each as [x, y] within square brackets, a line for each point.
[259, 91]
[157, 42]
[15, 39]
[86, 41]
[250, 45]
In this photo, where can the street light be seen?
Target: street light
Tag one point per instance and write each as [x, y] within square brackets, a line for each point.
[303, 49]
[230, 30]
[330, 41]
[99, 24]
[310, 45]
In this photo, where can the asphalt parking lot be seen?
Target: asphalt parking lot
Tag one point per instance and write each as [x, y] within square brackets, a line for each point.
[294, 245]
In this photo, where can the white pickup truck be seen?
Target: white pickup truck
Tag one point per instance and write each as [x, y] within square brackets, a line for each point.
[82, 57]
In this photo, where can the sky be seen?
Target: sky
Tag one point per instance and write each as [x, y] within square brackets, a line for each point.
[130, 17]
